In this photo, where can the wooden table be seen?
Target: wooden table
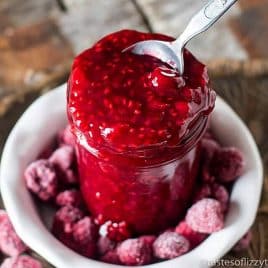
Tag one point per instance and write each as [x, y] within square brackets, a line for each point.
[38, 40]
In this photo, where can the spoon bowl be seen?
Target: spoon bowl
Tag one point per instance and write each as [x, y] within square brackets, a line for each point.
[158, 49]
[171, 53]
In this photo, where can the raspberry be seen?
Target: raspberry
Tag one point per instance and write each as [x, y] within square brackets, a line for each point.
[203, 191]
[69, 177]
[134, 252]
[85, 230]
[66, 137]
[206, 175]
[3, 216]
[47, 152]
[21, 262]
[205, 216]
[220, 193]
[64, 161]
[216, 191]
[63, 157]
[170, 245]
[111, 257]
[41, 179]
[208, 149]
[77, 233]
[105, 244]
[209, 146]
[227, 164]
[69, 198]
[115, 231]
[243, 243]
[208, 135]
[10, 243]
[65, 218]
[148, 239]
[194, 238]
[85, 235]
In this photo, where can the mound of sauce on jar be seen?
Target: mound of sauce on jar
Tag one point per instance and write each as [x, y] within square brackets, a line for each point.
[137, 123]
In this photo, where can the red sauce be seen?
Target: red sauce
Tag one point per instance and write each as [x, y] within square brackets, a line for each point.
[137, 123]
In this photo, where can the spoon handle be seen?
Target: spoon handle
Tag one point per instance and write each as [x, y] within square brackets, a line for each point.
[205, 18]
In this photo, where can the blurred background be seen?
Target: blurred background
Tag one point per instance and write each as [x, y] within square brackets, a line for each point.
[39, 39]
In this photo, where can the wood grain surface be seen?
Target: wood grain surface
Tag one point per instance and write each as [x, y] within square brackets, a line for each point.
[38, 40]
[251, 27]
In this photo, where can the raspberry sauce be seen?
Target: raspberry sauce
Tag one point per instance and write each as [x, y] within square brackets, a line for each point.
[137, 124]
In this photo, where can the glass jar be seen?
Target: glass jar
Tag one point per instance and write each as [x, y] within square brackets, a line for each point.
[137, 123]
[147, 189]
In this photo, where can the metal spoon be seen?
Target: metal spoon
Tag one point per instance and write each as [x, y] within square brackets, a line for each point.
[172, 52]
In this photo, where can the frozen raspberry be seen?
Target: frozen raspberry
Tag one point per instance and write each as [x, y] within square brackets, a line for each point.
[63, 157]
[134, 252]
[105, 244]
[47, 152]
[216, 191]
[21, 262]
[111, 257]
[170, 245]
[85, 234]
[209, 146]
[220, 193]
[10, 243]
[205, 216]
[208, 149]
[66, 137]
[69, 177]
[3, 216]
[148, 239]
[69, 198]
[194, 238]
[64, 161]
[227, 164]
[243, 243]
[202, 192]
[85, 229]
[41, 179]
[79, 234]
[65, 218]
[115, 231]
[206, 175]
[208, 135]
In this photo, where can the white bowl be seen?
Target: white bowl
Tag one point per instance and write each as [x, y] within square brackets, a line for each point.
[41, 122]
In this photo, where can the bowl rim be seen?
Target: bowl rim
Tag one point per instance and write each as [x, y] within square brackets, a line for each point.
[18, 201]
